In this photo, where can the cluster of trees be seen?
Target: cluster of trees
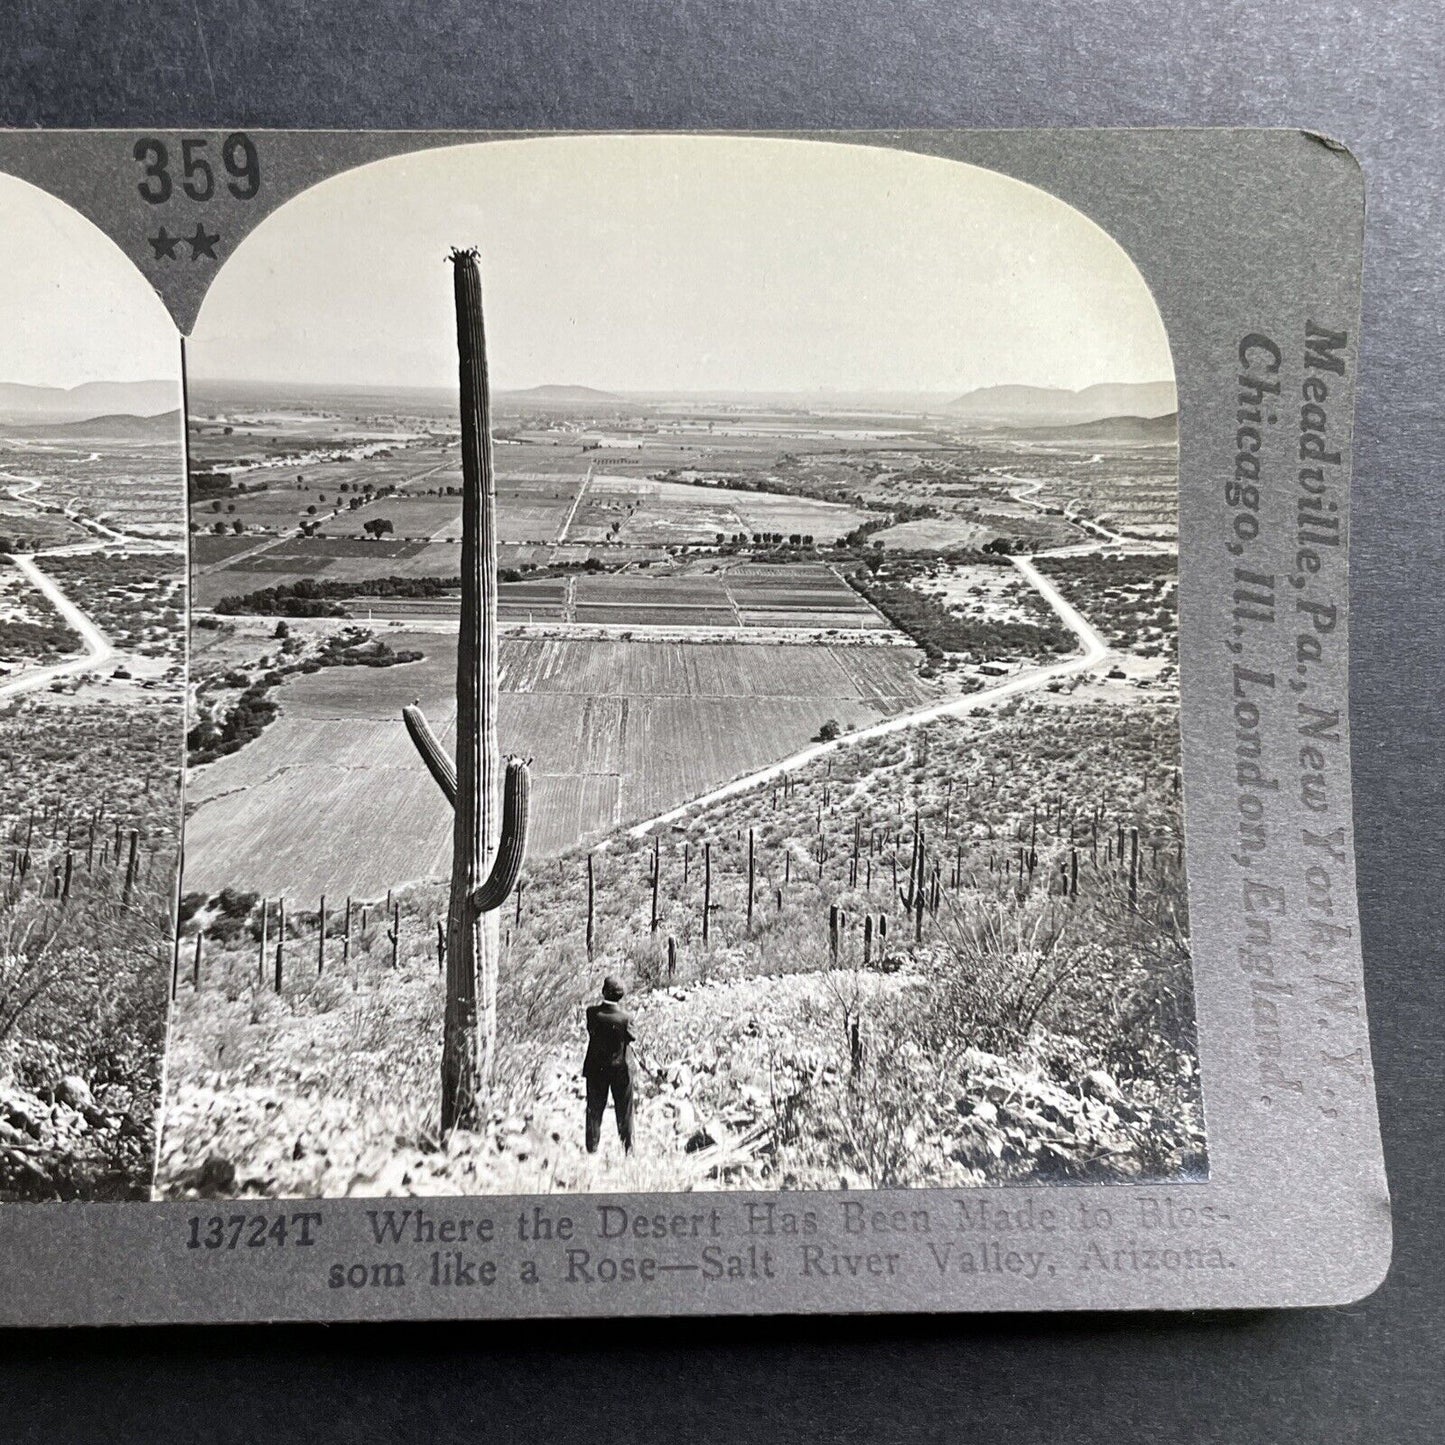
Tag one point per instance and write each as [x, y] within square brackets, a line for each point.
[246, 719]
[202, 485]
[313, 597]
[42, 640]
[938, 631]
[762, 482]
[785, 547]
[248, 716]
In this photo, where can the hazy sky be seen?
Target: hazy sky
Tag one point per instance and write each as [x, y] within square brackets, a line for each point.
[684, 264]
[72, 306]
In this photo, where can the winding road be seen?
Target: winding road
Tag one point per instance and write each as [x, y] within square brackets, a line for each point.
[1026, 489]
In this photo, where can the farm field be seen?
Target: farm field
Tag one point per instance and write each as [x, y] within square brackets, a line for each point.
[210, 548]
[804, 596]
[542, 516]
[940, 534]
[277, 499]
[332, 797]
[651, 512]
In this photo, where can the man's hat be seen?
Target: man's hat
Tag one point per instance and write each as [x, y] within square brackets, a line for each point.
[612, 988]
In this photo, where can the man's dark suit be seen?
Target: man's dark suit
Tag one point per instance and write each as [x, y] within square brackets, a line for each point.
[608, 1068]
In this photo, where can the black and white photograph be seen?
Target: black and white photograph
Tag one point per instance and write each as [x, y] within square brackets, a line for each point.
[683, 687]
[92, 703]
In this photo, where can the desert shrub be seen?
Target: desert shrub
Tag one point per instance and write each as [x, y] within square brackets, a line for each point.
[876, 1112]
[40, 640]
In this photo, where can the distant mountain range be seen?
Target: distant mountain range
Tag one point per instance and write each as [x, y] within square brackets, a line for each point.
[1136, 429]
[115, 426]
[1042, 406]
[48, 405]
[562, 396]
[990, 406]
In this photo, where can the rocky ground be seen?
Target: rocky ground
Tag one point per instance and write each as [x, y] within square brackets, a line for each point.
[745, 1083]
[65, 1141]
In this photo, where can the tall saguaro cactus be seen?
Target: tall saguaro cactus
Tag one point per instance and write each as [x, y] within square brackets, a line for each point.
[489, 833]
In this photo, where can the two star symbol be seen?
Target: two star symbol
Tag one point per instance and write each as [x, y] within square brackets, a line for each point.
[202, 243]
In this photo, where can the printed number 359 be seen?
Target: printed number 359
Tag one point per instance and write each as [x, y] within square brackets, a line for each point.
[198, 180]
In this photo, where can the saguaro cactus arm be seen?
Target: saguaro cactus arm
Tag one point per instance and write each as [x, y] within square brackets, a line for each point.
[512, 847]
[516, 810]
[439, 765]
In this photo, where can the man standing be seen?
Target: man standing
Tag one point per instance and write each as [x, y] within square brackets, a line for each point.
[609, 1064]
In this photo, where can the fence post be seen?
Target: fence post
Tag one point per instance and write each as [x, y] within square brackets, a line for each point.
[280, 940]
[130, 869]
[321, 940]
[591, 905]
[261, 955]
[750, 880]
[656, 873]
[706, 889]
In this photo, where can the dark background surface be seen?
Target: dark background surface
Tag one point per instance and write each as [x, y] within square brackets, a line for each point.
[1367, 74]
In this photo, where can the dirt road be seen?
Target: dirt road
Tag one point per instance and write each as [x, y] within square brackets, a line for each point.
[98, 647]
